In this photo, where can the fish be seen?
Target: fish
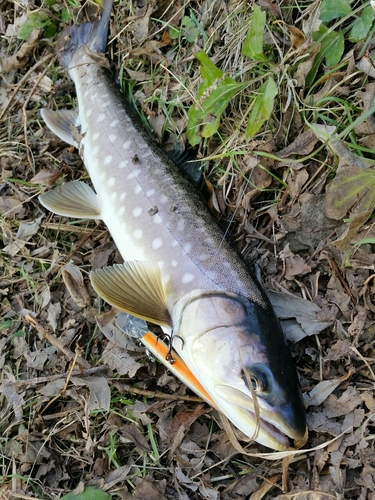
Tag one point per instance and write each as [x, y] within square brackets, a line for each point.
[179, 272]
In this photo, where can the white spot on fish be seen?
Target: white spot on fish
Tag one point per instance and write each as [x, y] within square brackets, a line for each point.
[161, 264]
[102, 176]
[101, 117]
[138, 233]
[126, 145]
[137, 189]
[187, 247]
[123, 164]
[174, 263]
[163, 199]
[95, 150]
[134, 174]
[204, 256]
[121, 211]
[174, 243]
[157, 243]
[88, 113]
[157, 219]
[137, 211]
[95, 137]
[108, 159]
[112, 137]
[166, 279]
[187, 278]
[114, 123]
[86, 94]
[180, 225]
[150, 192]
[122, 196]
[111, 181]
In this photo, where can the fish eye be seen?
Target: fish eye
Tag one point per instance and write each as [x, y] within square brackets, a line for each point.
[258, 379]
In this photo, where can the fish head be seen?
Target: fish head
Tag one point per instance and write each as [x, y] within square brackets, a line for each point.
[237, 350]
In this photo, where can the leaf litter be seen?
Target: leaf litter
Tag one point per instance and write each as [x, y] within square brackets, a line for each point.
[82, 404]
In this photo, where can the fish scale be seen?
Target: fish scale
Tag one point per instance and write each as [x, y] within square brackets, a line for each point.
[178, 271]
[146, 181]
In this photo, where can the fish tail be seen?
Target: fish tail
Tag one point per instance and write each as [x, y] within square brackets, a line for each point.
[91, 34]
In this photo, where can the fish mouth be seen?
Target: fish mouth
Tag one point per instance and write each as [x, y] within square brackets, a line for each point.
[265, 432]
[275, 427]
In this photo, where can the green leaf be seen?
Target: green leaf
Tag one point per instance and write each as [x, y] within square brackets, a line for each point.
[66, 16]
[352, 187]
[209, 72]
[262, 108]
[174, 33]
[331, 50]
[90, 493]
[332, 9]
[362, 25]
[253, 44]
[6, 323]
[36, 20]
[334, 48]
[188, 29]
[213, 96]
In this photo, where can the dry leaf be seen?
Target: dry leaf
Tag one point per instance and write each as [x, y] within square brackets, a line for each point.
[322, 390]
[17, 60]
[73, 280]
[293, 264]
[46, 177]
[303, 145]
[355, 225]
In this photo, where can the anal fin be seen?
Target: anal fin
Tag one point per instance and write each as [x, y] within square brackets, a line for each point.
[73, 199]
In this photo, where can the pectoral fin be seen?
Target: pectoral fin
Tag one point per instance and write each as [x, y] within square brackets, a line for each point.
[73, 199]
[63, 123]
[134, 287]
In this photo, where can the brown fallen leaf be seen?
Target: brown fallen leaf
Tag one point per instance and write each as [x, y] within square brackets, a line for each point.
[181, 424]
[322, 390]
[140, 27]
[17, 60]
[73, 280]
[145, 489]
[264, 488]
[303, 145]
[293, 264]
[46, 177]
[355, 225]
[351, 190]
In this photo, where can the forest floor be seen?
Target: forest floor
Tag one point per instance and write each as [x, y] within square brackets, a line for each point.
[287, 146]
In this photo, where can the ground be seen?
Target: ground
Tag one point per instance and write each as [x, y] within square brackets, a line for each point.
[287, 142]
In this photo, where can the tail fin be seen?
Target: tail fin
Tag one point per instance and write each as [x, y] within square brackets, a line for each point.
[92, 34]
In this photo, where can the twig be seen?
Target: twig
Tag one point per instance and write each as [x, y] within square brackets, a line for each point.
[22, 81]
[44, 380]
[337, 271]
[24, 113]
[159, 395]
